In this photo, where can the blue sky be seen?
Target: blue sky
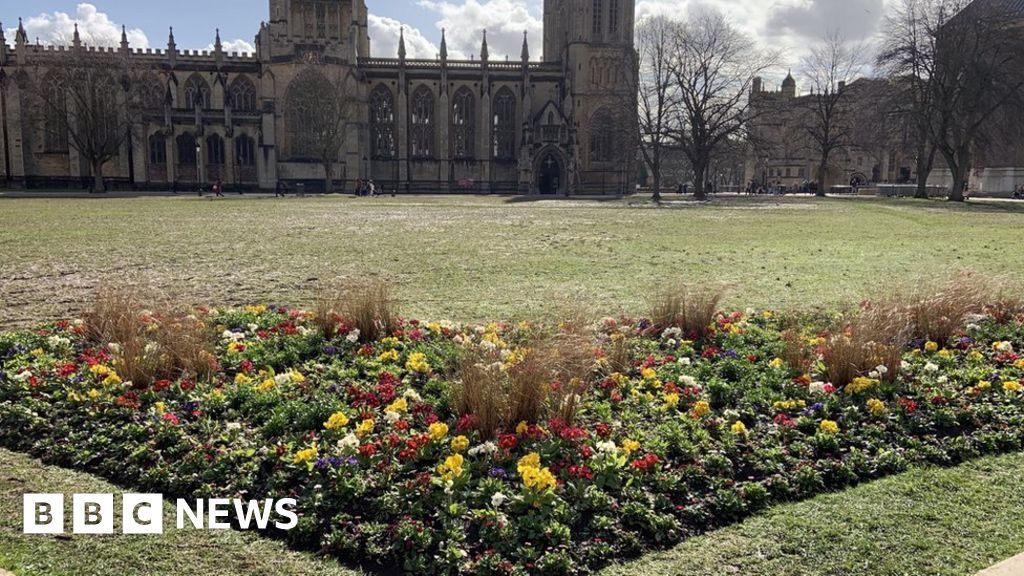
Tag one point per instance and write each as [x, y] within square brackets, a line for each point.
[788, 24]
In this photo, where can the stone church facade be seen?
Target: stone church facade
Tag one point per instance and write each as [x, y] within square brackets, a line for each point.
[549, 126]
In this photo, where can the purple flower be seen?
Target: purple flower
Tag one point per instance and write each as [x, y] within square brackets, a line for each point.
[330, 350]
[497, 473]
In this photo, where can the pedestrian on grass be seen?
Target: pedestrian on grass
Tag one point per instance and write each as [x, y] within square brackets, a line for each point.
[218, 188]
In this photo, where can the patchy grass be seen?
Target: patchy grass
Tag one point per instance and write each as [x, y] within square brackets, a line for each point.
[476, 258]
[926, 522]
[179, 552]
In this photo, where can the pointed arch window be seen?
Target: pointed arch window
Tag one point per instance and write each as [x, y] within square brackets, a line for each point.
[602, 136]
[613, 16]
[157, 150]
[422, 122]
[463, 125]
[382, 124]
[505, 126]
[55, 110]
[245, 151]
[242, 95]
[598, 18]
[186, 150]
[197, 93]
[214, 150]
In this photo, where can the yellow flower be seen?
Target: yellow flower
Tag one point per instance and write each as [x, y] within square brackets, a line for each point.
[297, 377]
[767, 314]
[829, 427]
[538, 479]
[99, 370]
[630, 446]
[257, 310]
[364, 427]
[265, 385]
[648, 374]
[389, 356]
[37, 352]
[336, 421]
[1018, 364]
[521, 428]
[776, 363]
[160, 407]
[112, 379]
[235, 347]
[975, 355]
[1012, 386]
[789, 404]
[417, 362]
[306, 455]
[460, 444]
[242, 379]
[983, 385]
[438, 430]
[94, 394]
[739, 427]
[931, 346]
[451, 468]
[876, 406]
[400, 405]
[671, 400]
[945, 353]
[531, 460]
[701, 409]
[861, 385]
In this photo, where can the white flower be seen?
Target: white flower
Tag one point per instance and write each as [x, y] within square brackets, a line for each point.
[303, 331]
[353, 336]
[488, 346]
[253, 328]
[943, 379]
[688, 380]
[348, 443]
[974, 318]
[671, 333]
[671, 343]
[23, 376]
[685, 361]
[607, 447]
[234, 426]
[282, 379]
[498, 499]
[230, 336]
[78, 322]
[881, 369]
[485, 448]
[114, 347]
[973, 327]
[817, 388]
[929, 367]
[904, 365]
[1004, 346]
[412, 396]
[874, 374]
[58, 341]
[392, 417]
[151, 348]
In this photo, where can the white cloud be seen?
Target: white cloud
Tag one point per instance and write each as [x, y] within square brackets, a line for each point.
[384, 34]
[236, 45]
[94, 27]
[504, 20]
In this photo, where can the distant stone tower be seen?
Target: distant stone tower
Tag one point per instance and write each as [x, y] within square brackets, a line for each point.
[593, 40]
[310, 29]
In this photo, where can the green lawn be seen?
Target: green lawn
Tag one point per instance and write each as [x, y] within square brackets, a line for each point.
[473, 258]
[482, 258]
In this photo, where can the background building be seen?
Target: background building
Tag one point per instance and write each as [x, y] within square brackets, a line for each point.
[556, 126]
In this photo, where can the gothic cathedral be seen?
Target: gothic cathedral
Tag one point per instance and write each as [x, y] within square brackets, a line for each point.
[562, 124]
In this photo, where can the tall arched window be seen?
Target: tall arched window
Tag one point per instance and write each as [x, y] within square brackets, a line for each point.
[382, 124]
[245, 151]
[422, 122]
[186, 149]
[613, 16]
[602, 136]
[463, 125]
[55, 110]
[505, 126]
[214, 149]
[197, 93]
[242, 95]
[309, 129]
[157, 150]
[598, 27]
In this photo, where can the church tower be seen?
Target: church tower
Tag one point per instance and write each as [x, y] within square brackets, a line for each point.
[311, 29]
[593, 41]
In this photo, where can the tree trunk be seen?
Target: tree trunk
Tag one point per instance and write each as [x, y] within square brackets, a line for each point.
[960, 166]
[823, 177]
[699, 191]
[924, 170]
[328, 177]
[656, 183]
[97, 177]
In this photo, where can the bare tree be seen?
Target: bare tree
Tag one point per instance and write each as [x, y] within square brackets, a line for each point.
[830, 67]
[961, 63]
[93, 97]
[657, 96]
[319, 111]
[713, 69]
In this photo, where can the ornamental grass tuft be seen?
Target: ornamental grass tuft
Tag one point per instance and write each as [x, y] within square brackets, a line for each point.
[369, 306]
[689, 307]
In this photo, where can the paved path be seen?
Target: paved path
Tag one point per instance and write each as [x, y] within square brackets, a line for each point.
[1012, 567]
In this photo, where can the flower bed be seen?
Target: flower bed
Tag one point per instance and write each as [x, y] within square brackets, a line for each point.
[685, 436]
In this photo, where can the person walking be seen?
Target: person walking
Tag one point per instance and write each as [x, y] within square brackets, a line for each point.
[218, 188]
[280, 189]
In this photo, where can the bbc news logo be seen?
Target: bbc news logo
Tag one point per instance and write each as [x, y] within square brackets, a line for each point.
[144, 514]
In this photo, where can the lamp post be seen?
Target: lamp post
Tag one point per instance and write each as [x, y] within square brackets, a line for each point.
[199, 166]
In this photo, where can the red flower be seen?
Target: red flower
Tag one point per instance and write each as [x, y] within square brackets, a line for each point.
[465, 423]
[908, 405]
[646, 463]
[368, 450]
[172, 418]
[603, 430]
[246, 366]
[68, 369]
[508, 441]
[187, 385]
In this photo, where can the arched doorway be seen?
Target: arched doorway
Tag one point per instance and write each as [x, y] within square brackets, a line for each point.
[550, 177]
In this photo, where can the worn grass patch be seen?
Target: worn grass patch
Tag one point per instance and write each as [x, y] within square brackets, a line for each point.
[474, 258]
